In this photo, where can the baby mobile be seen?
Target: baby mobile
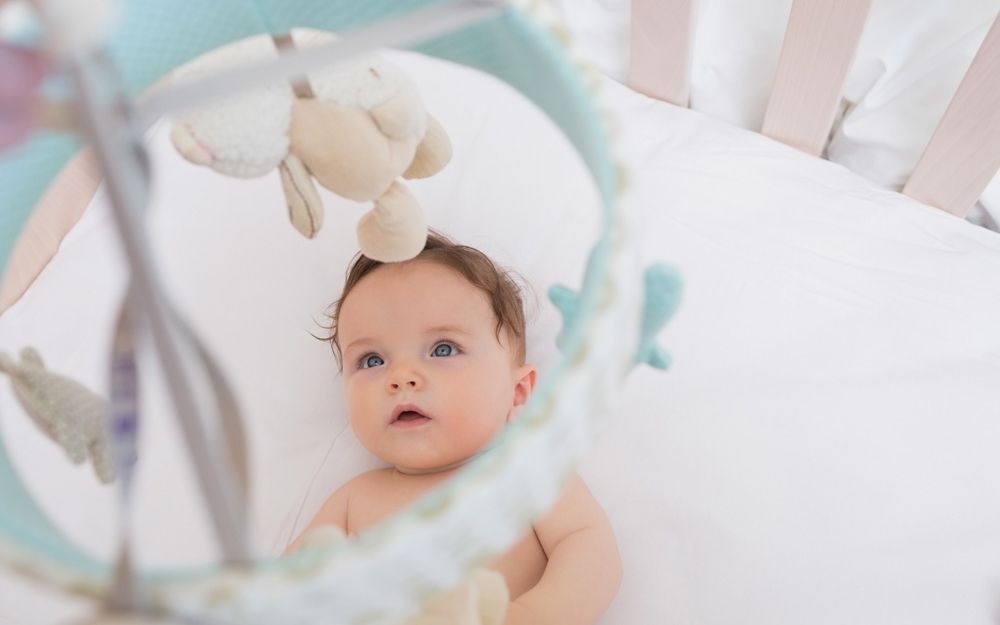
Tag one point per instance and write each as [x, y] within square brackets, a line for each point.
[316, 108]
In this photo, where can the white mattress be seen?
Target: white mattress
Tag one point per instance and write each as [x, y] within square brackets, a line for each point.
[824, 449]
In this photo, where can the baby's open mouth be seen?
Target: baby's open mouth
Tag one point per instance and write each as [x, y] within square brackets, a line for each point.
[408, 417]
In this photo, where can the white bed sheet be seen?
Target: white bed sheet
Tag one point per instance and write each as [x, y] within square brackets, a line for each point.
[824, 448]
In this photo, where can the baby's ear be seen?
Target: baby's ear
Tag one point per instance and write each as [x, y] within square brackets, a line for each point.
[525, 377]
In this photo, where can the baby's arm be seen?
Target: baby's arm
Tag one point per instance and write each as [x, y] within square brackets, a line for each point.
[584, 568]
[333, 512]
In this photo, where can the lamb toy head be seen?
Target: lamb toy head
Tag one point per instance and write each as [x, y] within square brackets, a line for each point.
[359, 128]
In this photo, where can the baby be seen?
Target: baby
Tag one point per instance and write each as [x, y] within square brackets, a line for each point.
[433, 358]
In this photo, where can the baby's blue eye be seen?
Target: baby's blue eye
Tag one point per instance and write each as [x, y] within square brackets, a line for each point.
[444, 349]
[371, 360]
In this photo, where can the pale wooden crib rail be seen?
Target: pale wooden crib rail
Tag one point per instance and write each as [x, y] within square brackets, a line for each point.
[963, 155]
[661, 49]
[820, 42]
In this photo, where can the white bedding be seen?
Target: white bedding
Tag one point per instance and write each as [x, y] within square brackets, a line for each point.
[822, 450]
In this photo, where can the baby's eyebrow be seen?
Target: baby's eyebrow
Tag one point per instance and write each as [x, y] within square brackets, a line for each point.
[454, 329]
[356, 342]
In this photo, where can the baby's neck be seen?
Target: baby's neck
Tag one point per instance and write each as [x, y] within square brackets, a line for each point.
[448, 468]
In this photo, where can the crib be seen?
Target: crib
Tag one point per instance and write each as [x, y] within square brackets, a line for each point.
[820, 449]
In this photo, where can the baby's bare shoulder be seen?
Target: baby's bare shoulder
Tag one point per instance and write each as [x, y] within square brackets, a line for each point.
[376, 478]
[336, 509]
[363, 487]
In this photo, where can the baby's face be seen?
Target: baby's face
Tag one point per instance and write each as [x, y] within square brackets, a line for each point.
[428, 384]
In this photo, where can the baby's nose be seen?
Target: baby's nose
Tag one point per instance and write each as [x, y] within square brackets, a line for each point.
[405, 377]
[404, 382]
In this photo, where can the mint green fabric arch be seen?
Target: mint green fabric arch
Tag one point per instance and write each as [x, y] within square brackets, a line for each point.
[29, 529]
[155, 36]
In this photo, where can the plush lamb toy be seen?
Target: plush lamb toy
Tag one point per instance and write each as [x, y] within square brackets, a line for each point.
[70, 414]
[355, 128]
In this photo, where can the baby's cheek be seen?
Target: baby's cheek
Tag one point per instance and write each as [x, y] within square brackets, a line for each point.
[360, 408]
[359, 385]
[478, 429]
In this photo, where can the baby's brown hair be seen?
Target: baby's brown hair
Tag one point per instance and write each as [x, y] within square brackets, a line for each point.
[497, 283]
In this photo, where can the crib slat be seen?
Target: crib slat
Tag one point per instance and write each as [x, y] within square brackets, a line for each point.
[963, 155]
[661, 49]
[820, 41]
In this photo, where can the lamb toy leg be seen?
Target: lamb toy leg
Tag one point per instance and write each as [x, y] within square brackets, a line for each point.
[395, 230]
[305, 208]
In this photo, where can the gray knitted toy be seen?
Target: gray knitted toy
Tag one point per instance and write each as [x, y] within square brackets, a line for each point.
[69, 413]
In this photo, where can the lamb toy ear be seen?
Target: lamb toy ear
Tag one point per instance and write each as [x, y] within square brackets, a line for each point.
[433, 151]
